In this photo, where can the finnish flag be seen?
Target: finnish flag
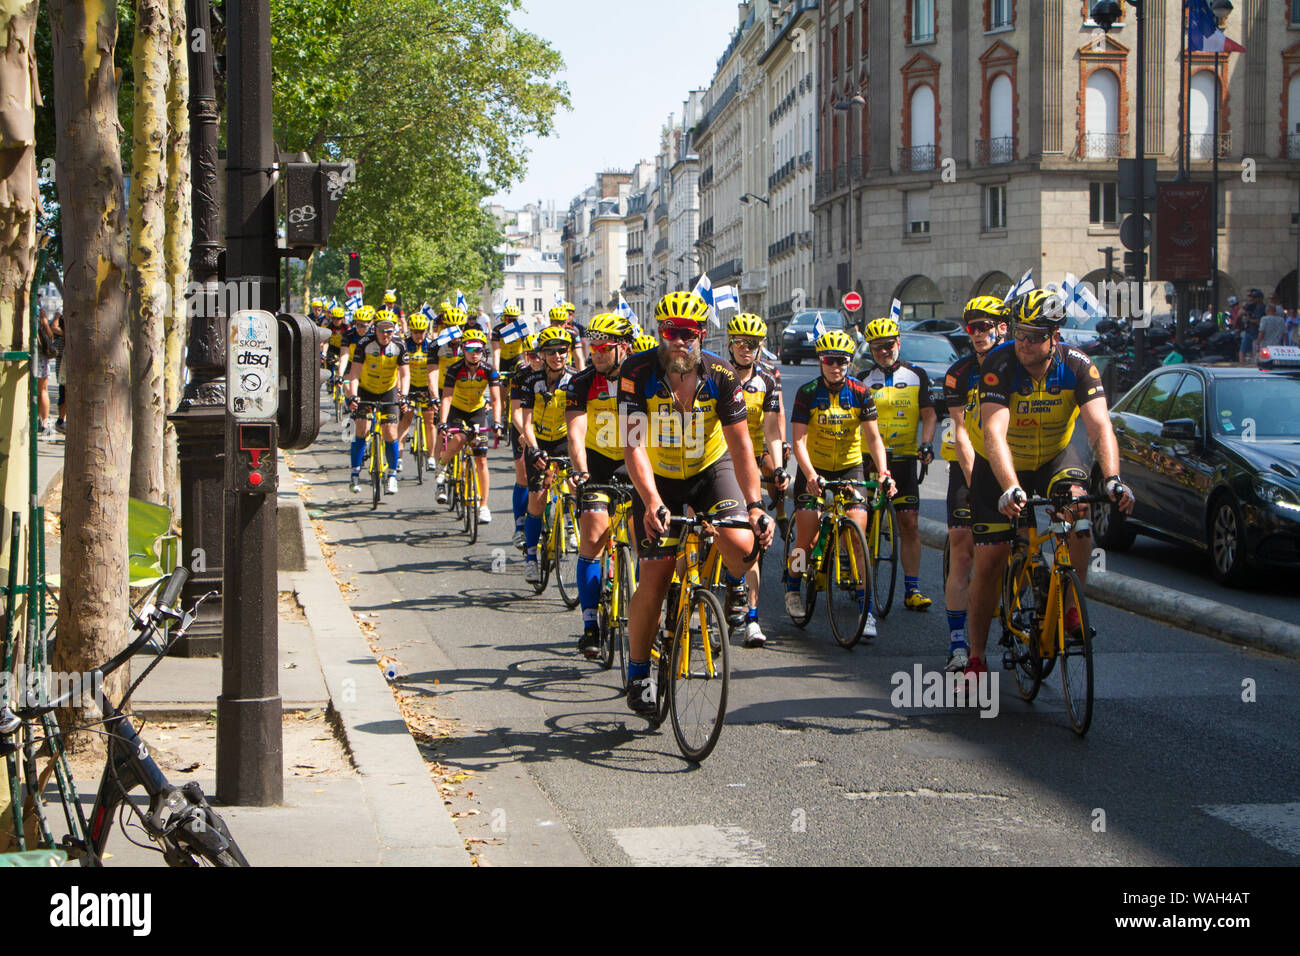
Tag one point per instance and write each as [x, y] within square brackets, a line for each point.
[353, 303]
[626, 311]
[426, 310]
[819, 327]
[1080, 303]
[449, 334]
[1026, 284]
[896, 311]
[460, 299]
[515, 330]
[724, 297]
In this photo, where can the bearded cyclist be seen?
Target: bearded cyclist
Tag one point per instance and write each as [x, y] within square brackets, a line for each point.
[529, 361]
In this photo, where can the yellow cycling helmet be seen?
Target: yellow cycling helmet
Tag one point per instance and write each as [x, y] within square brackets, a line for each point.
[836, 342]
[882, 328]
[557, 314]
[747, 323]
[473, 336]
[1039, 309]
[511, 312]
[989, 305]
[317, 303]
[454, 316]
[683, 307]
[418, 323]
[530, 342]
[386, 315]
[553, 334]
[389, 298]
[365, 314]
[609, 325]
[569, 307]
[644, 343]
[338, 312]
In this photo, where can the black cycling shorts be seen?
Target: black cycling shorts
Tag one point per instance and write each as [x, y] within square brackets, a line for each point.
[389, 398]
[714, 492]
[959, 515]
[421, 394]
[991, 526]
[904, 471]
[804, 500]
[537, 473]
[599, 471]
[467, 420]
[516, 443]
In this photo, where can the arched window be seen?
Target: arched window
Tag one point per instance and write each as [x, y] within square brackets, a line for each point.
[923, 146]
[1101, 130]
[1200, 119]
[920, 298]
[1002, 130]
[1293, 118]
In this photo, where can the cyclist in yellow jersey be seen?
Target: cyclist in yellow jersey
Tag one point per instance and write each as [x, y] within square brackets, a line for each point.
[505, 354]
[562, 317]
[421, 350]
[1031, 392]
[542, 399]
[907, 420]
[449, 351]
[687, 446]
[986, 325]
[471, 384]
[529, 361]
[596, 450]
[380, 373]
[745, 335]
[833, 417]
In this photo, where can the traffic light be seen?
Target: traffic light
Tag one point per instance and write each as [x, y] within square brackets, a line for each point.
[1131, 261]
[354, 265]
[312, 194]
[301, 341]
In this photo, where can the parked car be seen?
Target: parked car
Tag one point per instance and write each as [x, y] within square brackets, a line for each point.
[797, 341]
[953, 329]
[930, 351]
[1213, 455]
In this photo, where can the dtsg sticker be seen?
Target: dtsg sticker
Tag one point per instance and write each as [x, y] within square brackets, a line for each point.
[253, 365]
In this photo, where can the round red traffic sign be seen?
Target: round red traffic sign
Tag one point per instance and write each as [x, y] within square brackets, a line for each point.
[354, 287]
[852, 301]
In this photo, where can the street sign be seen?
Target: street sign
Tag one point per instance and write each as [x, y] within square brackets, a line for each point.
[1128, 233]
[253, 365]
[852, 301]
[354, 287]
[1183, 242]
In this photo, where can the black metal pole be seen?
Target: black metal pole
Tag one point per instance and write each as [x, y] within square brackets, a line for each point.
[1214, 223]
[1140, 200]
[200, 417]
[249, 711]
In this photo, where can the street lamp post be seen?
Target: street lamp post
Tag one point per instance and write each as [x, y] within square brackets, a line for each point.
[846, 106]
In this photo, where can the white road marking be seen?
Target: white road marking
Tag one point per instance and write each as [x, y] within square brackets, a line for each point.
[701, 845]
[1277, 824]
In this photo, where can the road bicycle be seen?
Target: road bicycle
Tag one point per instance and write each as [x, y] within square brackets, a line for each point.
[337, 396]
[419, 438]
[179, 820]
[840, 564]
[376, 455]
[690, 653]
[883, 539]
[557, 548]
[463, 493]
[617, 576]
[1036, 597]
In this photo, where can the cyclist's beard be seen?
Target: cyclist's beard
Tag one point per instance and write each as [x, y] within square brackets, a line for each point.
[680, 365]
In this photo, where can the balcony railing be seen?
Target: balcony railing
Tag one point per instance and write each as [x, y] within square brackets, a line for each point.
[782, 246]
[1102, 145]
[856, 168]
[991, 152]
[706, 177]
[825, 183]
[806, 159]
[661, 211]
[1293, 146]
[1201, 145]
[706, 228]
[781, 175]
[660, 246]
[915, 158]
[841, 175]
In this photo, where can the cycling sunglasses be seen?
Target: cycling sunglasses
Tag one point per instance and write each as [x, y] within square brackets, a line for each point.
[1031, 337]
[747, 343]
[883, 345]
[559, 351]
[836, 360]
[980, 325]
[602, 347]
[677, 333]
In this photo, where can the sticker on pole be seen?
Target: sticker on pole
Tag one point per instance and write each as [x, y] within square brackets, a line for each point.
[253, 365]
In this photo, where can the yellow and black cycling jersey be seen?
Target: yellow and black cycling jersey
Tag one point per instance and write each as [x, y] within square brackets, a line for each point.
[834, 416]
[597, 397]
[899, 393]
[468, 383]
[510, 351]
[961, 387]
[1042, 411]
[762, 397]
[379, 363]
[337, 332]
[448, 355]
[349, 341]
[533, 390]
[681, 443]
[420, 353]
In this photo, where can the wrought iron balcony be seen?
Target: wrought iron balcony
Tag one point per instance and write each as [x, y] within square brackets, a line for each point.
[1201, 145]
[1102, 146]
[1293, 146]
[915, 158]
[991, 152]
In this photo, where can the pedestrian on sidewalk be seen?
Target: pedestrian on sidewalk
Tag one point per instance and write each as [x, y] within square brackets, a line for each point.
[1251, 315]
[56, 326]
[1272, 327]
[44, 354]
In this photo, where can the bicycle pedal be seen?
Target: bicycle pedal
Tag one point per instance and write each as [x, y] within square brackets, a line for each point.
[1008, 661]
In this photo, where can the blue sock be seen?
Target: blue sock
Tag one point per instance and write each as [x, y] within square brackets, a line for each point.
[864, 596]
[909, 584]
[957, 628]
[752, 615]
[793, 582]
[588, 588]
[391, 448]
[731, 578]
[636, 670]
[358, 453]
[532, 531]
[520, 503]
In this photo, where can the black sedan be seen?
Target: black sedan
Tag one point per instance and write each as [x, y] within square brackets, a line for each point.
[1213, 456]
[933, 352]
[798, 338]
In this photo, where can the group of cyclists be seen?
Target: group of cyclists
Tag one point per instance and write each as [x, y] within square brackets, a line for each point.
[689, 429]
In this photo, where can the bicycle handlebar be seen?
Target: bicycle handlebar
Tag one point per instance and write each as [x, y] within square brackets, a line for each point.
[1065, 502]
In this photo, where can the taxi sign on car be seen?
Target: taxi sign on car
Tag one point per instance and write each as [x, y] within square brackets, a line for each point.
[1279, 356]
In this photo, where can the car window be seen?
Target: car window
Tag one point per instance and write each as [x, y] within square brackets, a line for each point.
[1158, 398]
[1190, 402]
[832, 320]
[924, 348]
[1262, 406]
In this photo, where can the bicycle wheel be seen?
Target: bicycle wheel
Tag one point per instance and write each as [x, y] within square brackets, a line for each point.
[545, 551]
[885, 554]
[947, 558]
[418, 451]
[698, 698]
[376, 473]
[1022, 608]
[1076, 658]
[566, 561]
[808, 588]
[626, 580]
[453, 484]
[337, 395]
[471, 502]
[848, 572]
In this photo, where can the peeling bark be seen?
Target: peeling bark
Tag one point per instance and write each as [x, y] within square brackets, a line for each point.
[179, 236]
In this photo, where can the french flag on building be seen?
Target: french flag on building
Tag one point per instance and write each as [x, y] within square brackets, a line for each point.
[1203, 33]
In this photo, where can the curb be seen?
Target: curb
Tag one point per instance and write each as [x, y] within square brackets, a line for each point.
[413, 825]
[1169, 606]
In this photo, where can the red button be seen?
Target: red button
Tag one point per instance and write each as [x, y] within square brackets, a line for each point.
[254, 479]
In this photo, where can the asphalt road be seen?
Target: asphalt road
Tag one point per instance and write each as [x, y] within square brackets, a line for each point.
[816, 764]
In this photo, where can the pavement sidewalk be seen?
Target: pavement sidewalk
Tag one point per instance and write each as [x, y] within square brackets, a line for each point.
[377, 804]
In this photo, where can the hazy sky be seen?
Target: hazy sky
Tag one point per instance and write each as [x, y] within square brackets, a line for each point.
[628, 65]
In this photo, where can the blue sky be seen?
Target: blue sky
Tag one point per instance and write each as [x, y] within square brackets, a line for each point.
[628, 65]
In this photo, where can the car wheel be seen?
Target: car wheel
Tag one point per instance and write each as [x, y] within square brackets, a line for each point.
[1227, 542]
[1110, 530]
[796, 361]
